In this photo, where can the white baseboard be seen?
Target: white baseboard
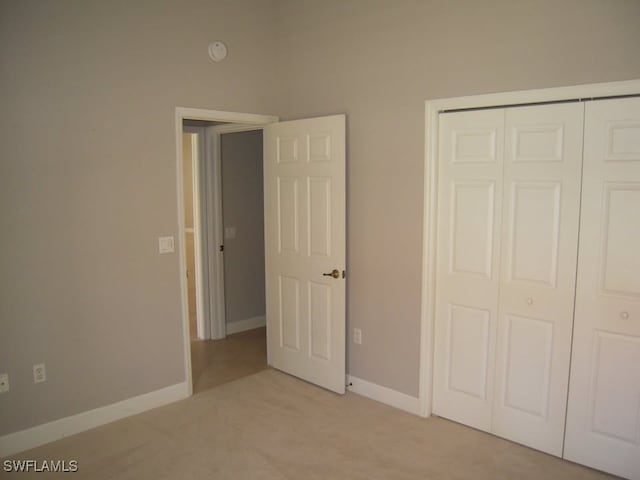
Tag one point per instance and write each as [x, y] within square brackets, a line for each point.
[48, 432]
[247, 324]
[385, 395]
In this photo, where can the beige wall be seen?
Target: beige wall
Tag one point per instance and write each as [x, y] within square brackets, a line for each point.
[88, 183]
[189, 239]
[87, 159]
[242, 208]
[378, 61]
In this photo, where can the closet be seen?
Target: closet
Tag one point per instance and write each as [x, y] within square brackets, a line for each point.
[537, 311]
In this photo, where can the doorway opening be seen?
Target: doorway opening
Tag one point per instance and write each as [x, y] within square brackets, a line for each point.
[304, 241]
[221, 220]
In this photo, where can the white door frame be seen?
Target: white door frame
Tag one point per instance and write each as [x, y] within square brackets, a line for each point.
[429, 248]
[198, 157]
[208, 254]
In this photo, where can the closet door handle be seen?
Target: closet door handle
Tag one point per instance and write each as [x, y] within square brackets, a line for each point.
[529, 301]
[624, 315]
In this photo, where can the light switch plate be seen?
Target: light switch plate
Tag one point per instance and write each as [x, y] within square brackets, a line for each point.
[166, 245]
[39, 373]
[357, 336]
[229, 233]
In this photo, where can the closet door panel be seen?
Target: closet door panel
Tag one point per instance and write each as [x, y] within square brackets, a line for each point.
[603, 417]
[542, 169]
[470, 195]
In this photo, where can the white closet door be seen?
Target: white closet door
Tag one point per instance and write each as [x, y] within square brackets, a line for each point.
[603, 419]
[470, 196]
[541, 207]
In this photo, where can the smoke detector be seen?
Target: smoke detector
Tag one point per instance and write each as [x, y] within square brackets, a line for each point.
[217, 51]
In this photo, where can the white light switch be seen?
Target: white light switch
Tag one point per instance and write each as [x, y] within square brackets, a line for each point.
[229, 232]
[166, 245]
[39, 373]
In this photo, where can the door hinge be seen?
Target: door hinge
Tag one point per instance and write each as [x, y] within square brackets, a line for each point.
[222, 248]
[344, 273]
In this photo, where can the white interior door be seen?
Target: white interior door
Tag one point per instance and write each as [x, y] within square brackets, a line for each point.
[469, 218]
[603, 418]
[541, 208]
[305, 244]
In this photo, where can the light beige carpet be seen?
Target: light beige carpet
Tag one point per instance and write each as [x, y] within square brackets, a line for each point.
[272, 426]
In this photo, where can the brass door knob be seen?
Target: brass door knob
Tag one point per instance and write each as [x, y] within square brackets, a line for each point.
[335, 274]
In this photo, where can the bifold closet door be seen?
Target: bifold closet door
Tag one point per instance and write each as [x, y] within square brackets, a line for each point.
[469, 210]
[603, 418]
[508, 212]
[541, 208]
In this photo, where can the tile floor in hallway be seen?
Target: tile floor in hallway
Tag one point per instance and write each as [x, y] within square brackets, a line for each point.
[214, 362]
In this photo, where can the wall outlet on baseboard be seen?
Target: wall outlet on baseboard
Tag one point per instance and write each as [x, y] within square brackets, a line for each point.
[357, 336]
[4, 382]
[39, 373]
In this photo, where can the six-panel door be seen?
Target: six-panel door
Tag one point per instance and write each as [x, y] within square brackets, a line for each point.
[304, 242]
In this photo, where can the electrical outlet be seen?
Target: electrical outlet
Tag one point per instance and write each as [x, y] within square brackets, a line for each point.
[229, 233]
[39, 373]
[4, 382]
[357, 336]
